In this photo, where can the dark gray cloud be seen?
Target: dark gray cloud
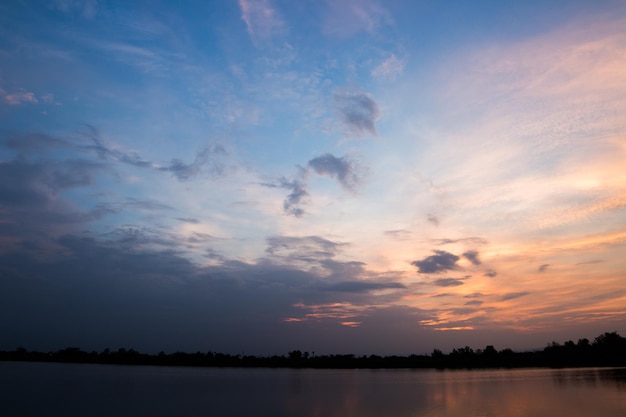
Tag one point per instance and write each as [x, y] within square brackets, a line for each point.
[543, 268]
[474, 303]
[131, 236]
[33, 142]
[31, 197]
[97, 293]
[363, 286]
[513, 295]
[491, 273]
[26, 182]
[341, 168]
[448, 282]
[472, 256]
[358, 112]
[441, 261]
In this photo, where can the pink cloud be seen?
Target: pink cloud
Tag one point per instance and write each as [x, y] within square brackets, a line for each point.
[18, 98]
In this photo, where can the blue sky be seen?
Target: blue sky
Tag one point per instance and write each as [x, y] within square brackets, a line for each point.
[336, 176]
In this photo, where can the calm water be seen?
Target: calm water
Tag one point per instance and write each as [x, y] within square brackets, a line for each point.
[32, 389]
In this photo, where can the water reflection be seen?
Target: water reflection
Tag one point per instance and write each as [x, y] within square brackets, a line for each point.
[590, 377]
[96, 390]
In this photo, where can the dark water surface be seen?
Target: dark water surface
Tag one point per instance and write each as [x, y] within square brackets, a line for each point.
[48, 389]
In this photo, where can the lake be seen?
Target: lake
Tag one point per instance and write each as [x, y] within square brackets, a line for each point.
[50, 389]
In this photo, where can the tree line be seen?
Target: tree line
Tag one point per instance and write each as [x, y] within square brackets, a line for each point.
[608, 349]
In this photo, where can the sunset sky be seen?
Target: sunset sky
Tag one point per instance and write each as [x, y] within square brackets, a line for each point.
[339, 176]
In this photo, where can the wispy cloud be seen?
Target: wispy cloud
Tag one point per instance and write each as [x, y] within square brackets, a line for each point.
[86, 8]
[432, 219]
[473, 240]
[390, 68]
[514, 295]
[363, 286]
[346, 18]
[207, 161]
[262, 20]
[448, 282]
[400, 234]
[302, 248]
[18, 97]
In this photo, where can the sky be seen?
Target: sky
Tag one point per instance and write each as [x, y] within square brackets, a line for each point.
[334, 176]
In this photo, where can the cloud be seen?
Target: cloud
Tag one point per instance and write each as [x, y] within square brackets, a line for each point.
[433, 219]
[296, 196]
[147, 205]
[34, 142]
[543, 268]
[358, 112]
[262, 20]
[188, 220]
[389, 68]
[439, 262]
[363, 286]
[474, 303]
[475, 295]
[474, 240]
[595, 261]
[513, 295]
[448, 282]
[472, 256]
[100, 294]
[342, 169]
[348, 17]
[26, 183]
[32, 198]
[311, 248]
[87, 8]
[400, 234]
[491, 273]
[20, 97]
[206, 161]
